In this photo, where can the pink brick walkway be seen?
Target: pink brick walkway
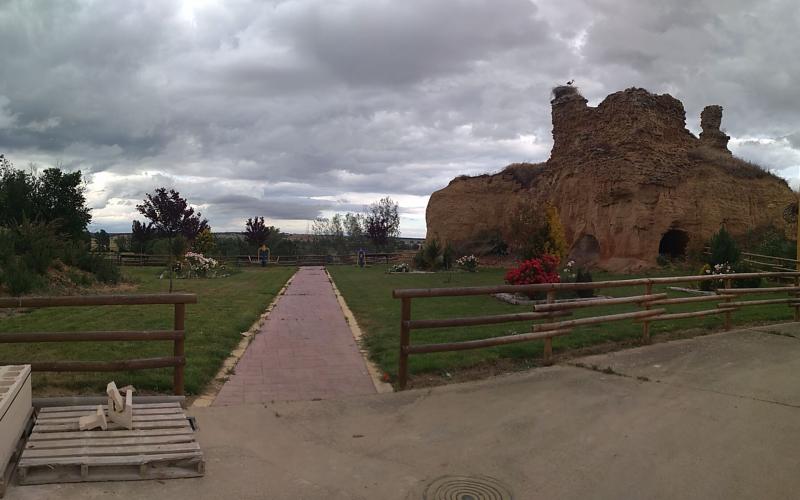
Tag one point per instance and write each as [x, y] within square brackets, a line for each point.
[305, 350]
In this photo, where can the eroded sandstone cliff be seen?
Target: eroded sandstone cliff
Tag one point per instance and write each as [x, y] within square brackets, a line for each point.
[629, 181]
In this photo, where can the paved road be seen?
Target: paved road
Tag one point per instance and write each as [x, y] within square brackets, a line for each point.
[304, 351]
[715, 417]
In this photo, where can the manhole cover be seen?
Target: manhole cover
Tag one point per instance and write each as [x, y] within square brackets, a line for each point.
[467, 488]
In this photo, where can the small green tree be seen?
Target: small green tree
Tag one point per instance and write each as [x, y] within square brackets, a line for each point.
[535, 232]
[556, 243]
[723, 249]
[102, 240]
[204, 243]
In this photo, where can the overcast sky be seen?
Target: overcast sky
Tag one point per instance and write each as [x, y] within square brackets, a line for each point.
[298, 108]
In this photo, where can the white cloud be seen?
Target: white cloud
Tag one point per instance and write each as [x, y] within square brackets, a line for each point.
[295, 108]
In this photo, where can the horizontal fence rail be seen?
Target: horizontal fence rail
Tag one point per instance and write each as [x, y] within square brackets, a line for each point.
[177, 335]
[134, 259]
[550, 314]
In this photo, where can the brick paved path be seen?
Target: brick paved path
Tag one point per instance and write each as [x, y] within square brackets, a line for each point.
[305, 350]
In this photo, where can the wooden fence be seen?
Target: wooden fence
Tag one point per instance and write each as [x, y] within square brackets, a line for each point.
[177, 335]
[551, 314]
[769, 263]
[136, 259]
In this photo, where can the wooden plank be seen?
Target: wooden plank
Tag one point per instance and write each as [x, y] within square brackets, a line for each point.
[110, 434]
[481, 320]
[687, 300]
[490, 342]
[635, 299]
[596, 320]
[99, 300]
[172, 424]
[741, 291]
[488, 290]
[54, 409]
[102, 366]
[94, 336]
[136, 412]
[758, 302]
[49, 444]
[695, 314]
[750, 254]
[102, 460]
[158, 471]
[136, 419]
[110, 451]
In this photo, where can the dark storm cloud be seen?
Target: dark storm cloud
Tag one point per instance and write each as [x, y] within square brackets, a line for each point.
[297, 108]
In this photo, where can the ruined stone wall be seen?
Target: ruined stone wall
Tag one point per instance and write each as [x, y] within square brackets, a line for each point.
[622, 175]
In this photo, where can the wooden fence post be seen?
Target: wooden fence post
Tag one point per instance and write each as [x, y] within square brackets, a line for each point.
[728, 298]
[648, 290]
[795, 295]
[405, 338]
[548, 342]
[179, 350]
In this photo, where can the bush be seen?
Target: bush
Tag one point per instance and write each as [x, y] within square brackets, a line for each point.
[723, 249]
[431, 256]
[535, 232]
[709, 285]
[754, 282]
[18, 278]
[399, 268]
[448, 256]
[103, 269]
[535, 271]
[584, 276]
[199, 266]
[468, 263]
[37, 243]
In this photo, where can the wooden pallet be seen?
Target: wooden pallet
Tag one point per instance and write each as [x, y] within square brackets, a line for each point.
[160, 446]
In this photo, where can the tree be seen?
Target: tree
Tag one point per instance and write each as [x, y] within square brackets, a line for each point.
[204, 243]
[173, 218]
[382, 222]
[723, 249]
[52, 197]
[141, 235]
[534, 233]
[354, 228]
[103, 241]
[257, 232]
[556, 241]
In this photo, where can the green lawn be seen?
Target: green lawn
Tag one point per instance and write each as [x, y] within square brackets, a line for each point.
[369, 294]
[226, 307]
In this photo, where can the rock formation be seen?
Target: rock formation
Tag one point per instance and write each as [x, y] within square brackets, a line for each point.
[629, 180]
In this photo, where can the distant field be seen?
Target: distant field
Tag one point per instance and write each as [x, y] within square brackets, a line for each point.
[369, 294]
[226, 307]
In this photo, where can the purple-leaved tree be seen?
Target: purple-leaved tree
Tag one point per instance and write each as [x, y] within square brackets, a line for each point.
[173, 218]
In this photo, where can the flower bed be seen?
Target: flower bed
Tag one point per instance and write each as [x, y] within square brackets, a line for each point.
[535, 271]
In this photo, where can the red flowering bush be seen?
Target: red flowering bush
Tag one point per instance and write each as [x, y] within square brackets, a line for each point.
[534, 271]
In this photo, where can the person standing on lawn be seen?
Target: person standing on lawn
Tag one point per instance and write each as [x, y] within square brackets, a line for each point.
[263, 254]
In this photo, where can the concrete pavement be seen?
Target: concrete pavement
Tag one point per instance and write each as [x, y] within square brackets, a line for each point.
[714, 417]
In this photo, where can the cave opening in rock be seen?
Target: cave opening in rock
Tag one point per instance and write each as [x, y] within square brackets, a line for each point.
[673, 244]
[585, 251]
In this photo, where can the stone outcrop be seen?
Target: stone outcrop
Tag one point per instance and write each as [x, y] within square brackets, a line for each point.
[710, 121]
[629, 180]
